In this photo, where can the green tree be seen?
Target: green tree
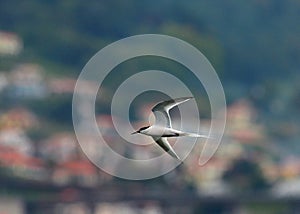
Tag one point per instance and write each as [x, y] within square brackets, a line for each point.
[245, 176]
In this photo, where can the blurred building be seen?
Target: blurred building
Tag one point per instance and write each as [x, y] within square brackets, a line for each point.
[59, 148]
[17, 140]
[11, 205]
[66, 85]
[27, 81]
[61, 85]
[68, 163]
[290, 168]
[10, 43]
[3, 81]
[18, 118]
[241, 122]
[126, 208]
[79, 171]
[18, 164]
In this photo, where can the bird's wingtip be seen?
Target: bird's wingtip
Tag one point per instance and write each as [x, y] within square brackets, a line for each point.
[189, 98]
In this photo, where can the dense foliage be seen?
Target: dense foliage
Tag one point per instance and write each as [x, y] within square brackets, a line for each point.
[248, 41]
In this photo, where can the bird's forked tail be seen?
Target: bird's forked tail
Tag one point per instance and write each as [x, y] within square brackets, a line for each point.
[195, 135]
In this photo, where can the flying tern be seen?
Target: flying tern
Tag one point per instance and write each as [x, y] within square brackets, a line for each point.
[162, 129]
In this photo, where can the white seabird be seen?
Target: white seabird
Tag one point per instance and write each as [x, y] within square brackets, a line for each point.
[162, 129]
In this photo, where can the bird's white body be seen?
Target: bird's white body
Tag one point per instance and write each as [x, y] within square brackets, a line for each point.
[162, 129]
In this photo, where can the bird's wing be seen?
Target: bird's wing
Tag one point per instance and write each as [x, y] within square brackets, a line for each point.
[161, 111]
[163, 143]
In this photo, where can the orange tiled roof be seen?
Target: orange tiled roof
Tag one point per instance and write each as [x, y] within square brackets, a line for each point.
[79, 167]
[11, 157]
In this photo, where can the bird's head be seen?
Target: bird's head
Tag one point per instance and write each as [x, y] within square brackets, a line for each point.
[141, 130]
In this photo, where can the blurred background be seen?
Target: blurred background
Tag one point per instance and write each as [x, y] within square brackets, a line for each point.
[254, 47]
